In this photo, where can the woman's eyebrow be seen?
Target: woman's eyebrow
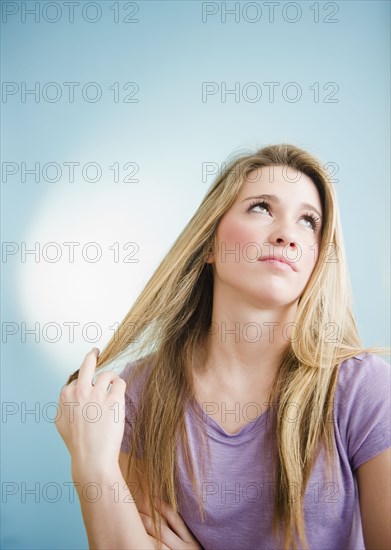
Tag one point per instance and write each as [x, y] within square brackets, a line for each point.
[277, 200]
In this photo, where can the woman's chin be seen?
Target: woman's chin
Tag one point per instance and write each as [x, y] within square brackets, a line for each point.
[273, 301]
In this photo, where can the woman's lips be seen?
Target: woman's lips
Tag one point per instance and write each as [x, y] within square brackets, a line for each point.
[278, 264]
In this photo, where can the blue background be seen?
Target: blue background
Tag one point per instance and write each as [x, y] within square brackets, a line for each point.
[169, 49]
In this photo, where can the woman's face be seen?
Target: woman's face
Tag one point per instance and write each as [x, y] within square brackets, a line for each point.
[277, 214]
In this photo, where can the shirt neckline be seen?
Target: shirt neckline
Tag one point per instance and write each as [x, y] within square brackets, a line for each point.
[215, 429]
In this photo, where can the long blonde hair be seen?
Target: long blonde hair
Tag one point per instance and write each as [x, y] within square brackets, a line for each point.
[168, 324]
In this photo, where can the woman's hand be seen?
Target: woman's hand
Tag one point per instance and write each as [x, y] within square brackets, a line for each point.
[175, 533]
[91, 419]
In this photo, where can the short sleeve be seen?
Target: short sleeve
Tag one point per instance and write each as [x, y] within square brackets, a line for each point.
[364, 397]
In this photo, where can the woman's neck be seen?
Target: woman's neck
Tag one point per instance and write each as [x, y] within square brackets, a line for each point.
[245, 344]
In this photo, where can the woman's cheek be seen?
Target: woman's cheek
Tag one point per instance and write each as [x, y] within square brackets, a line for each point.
[310, 255]
[235, 237]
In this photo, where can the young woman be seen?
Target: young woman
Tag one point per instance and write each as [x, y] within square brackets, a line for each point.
[254, 418]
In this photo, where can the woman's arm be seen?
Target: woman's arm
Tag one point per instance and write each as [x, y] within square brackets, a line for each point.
[132, 482]
[175, 533]
[374, 485]
[109, 513]
[91, 421]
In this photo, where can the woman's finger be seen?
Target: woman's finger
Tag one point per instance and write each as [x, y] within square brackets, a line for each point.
[149, 529]
[145, 512]
[104, 379]
[87, 369]
[175, 520]
[169, 538]
[154, 542]
[118, 387]
[147, 520]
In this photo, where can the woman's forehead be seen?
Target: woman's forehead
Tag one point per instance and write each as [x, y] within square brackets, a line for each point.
[279, 180]
[275, 173]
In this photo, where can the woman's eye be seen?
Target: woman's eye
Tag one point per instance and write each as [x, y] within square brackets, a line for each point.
[313, 221]
[261, 205]
[309, 222]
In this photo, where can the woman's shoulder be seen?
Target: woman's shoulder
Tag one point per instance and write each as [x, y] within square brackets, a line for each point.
[137, 367]
[365, 374]
[362, 406]
[135, 374]
[363, 366]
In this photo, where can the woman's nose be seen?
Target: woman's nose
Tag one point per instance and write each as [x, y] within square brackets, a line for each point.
[283, 236]
[285, 242]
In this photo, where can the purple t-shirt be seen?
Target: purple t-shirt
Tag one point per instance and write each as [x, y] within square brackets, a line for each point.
[237, 490]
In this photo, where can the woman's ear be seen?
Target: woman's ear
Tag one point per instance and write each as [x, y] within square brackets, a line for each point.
[209, 259]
